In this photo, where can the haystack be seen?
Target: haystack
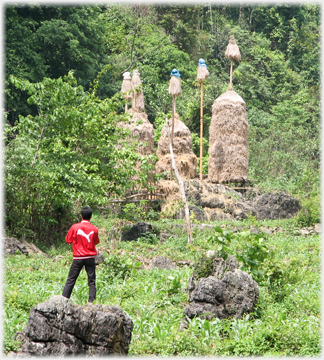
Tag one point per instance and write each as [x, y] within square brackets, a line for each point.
[142, 130]
[126, 88]
[138, 96]
[185, 159]
[228, 139]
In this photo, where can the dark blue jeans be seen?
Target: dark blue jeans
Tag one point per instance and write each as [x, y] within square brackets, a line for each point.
[76, 267]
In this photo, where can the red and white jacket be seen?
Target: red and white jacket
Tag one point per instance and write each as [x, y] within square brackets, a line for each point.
[84, 237]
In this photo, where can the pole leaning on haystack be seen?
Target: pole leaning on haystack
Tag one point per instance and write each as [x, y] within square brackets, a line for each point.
[126, 88]
[181, 185]
[232, 52]
[202, 74]
[174, 90]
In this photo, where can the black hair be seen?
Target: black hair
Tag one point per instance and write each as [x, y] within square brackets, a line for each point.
[86, 212]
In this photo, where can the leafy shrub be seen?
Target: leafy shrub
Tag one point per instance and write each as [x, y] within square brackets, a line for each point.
[309, 214]
[203, 267]
[117, 267]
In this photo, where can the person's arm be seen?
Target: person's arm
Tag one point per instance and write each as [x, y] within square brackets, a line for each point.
[96, 238]
[69, 236]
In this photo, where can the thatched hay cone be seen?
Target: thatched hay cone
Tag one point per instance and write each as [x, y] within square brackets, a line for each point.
[233, 53]
[126, 88]
[174, 90]
[202, 74]
[185, 159]
[228, 139]
[202, 71]
[138, 96]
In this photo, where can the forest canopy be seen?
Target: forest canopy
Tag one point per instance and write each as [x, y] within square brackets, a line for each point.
[63, 75]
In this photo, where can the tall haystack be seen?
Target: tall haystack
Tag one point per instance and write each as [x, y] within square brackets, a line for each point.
[186, 160]
[142, 130]
[126, 88]
[138, 96]
[233, 53]
[228, 139]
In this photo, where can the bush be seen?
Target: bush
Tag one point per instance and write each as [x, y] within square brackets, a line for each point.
[309, 214]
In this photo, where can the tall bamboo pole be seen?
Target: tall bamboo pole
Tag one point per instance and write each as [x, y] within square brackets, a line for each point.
[201, 128]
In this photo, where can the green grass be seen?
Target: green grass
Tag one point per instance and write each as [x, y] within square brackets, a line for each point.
[286, 320]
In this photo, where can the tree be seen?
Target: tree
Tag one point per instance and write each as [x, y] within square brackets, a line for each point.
[72, 152]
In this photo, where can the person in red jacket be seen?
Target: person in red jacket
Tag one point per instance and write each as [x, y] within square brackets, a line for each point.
[84, 237]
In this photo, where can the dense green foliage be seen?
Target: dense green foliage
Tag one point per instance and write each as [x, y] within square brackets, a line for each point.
[64, 149]
[278, 75]
[286, 320]
[71, 153]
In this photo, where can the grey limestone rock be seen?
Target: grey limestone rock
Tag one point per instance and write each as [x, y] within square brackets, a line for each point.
[276, 206]
[138, 230]
[227, 292]
[58, 327]
[162, 262]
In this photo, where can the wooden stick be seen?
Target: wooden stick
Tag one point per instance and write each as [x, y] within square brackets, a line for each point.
[181, 186]
[201, 128]
[231, 71]
[172, 132]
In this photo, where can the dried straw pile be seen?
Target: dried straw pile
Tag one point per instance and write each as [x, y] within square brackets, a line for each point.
[175, 84]
[185, 159]
[228, 139]
[232, 50]
[142, 130]
[202, 71]
[138, 96]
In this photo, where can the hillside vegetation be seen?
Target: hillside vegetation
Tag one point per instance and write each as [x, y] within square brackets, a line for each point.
[64, 148]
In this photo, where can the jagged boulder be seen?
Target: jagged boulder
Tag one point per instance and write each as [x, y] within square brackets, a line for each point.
[138, 230]
[276, 206]
[14, 246]
[162, 262]
[58, 327]
[227, 292]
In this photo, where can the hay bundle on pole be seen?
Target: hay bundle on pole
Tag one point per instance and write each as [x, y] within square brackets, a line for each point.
[174, 90]
[186, 160]
[202, 74]
[232, 52]
[228, 140]
[138, 96]
[126, 88]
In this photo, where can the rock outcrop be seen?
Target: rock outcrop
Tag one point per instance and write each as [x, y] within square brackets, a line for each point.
[57, 327]
[227, 292]
[138, 230]
[14, 246]
[275, 206]
[216, 202]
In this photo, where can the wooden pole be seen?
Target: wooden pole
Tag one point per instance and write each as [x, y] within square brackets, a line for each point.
[231, 71]
[181, 186]
[201, 128]
[172, 131]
